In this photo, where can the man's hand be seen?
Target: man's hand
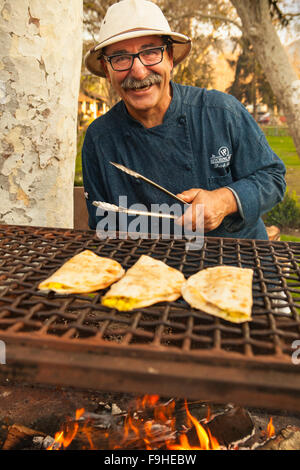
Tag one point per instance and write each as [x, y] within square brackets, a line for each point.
[217, 205]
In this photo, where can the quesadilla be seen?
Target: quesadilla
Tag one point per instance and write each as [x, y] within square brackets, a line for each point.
[85, 272]
[223, 291]
[147, 282]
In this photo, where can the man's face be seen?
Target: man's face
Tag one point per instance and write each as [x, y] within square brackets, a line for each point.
[155, 97]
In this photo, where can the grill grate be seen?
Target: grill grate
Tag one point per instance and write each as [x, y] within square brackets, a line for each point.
[170, 333]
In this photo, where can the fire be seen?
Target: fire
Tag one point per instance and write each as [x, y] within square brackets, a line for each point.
[148, 424]
[65, 437]
[206, 440]
[270, 428]
[159, 431]
[147, 400]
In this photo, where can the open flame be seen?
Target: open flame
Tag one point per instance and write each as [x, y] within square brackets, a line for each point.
[270, 428]
[149, 425]
[206, 440]
[63, 438]
[156, 429]
[159, 429]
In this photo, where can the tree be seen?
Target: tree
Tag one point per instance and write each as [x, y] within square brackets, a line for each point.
[255, 19]
[197, 69]
[250, 84]
[41, 47]
[258, 27]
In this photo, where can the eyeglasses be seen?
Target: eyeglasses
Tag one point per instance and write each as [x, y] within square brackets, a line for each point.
[148, 57]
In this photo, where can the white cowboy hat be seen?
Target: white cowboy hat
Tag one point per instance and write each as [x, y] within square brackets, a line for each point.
[131, 19]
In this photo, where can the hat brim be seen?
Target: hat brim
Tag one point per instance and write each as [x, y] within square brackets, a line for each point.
[181, 47]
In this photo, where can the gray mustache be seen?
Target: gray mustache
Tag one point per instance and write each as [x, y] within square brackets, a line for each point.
[131, 83]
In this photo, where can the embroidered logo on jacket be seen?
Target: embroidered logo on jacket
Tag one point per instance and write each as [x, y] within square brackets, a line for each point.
[222, 159]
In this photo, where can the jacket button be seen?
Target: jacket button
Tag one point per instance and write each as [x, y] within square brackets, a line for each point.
[181, 120]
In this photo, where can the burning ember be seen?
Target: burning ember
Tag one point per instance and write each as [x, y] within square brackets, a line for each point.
[271, 429]
[206, 440]
[148, 425]
[63, 438]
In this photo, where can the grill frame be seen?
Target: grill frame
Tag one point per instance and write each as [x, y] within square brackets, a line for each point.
[159, 349]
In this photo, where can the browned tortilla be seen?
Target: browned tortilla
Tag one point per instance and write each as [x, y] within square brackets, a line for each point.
[223, 291]
[85, 272]
[147, 282]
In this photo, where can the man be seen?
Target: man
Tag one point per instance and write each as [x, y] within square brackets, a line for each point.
[201, 145]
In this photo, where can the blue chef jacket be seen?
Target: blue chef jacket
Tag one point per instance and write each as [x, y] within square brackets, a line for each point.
[207, 140]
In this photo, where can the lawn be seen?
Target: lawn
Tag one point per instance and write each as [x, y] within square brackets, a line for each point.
[284, 147]
[289, 238]
[78, 166]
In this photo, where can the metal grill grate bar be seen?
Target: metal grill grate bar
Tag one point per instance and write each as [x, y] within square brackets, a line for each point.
[166, 331]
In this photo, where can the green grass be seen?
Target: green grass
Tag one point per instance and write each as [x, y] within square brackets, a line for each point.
[78, 181]
[275, 130]
[284, 147]
[289, 238]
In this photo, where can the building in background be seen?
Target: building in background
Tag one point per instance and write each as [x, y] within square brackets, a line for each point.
[90, 106]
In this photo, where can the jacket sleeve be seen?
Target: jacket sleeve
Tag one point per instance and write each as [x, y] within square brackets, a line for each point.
[257, 173]
[91, 178]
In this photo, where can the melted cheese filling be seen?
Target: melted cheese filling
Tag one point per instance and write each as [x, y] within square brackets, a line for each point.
[120, 303]
[56, 286]
[226, 311]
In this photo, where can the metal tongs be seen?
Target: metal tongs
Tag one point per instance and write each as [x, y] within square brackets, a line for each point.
[111, 207]
[137, 175]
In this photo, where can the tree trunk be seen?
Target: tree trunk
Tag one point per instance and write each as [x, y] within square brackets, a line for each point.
[40, 61]
[258, 27]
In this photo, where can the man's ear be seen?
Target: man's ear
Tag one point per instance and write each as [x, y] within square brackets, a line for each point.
[170, 53]
[105, 68]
